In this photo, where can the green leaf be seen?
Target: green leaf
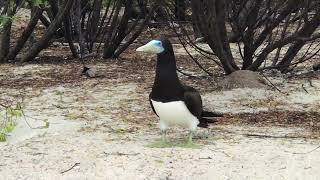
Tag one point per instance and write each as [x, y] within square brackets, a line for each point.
[10, 127]
[3, 137]
[47, 124]
[58, 93]
[39, 2]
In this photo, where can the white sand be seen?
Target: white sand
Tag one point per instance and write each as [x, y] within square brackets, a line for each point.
[83, 129]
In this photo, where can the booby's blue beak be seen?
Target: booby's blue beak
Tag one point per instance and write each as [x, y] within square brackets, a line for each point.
[154, 46]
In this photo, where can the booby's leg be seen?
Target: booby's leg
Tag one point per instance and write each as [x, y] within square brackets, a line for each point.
[163, 142]
[163, 128]
[192, 130]
[164, 135]
[190, 137]
[190, 143]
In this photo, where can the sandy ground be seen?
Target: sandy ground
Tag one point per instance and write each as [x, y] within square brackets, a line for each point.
[101, 129]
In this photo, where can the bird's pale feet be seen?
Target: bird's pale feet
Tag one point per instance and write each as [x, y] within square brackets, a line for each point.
[161, 143]
[190, 143]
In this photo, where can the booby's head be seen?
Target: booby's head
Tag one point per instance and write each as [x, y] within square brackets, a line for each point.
[154, 46]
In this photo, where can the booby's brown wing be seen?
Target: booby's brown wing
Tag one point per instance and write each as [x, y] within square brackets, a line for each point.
[152, 105]
[193, 101]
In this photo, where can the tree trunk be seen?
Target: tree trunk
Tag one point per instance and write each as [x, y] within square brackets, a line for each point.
[79, 28]
[116, 35]
[180, 10]
[68, 35]
[134, 35]
[93, 23]
[25, 34]
[212, 26]
[306, 31]
[44, 41]
[107, 52]
[249, 20]
[5, 33]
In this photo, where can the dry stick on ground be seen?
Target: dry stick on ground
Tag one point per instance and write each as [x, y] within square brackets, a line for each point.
[272, 83]
[308, 151]
[220, 152]
[205, 157]
[302, 85]
[121, 154]
[271, 136]
[76, 164]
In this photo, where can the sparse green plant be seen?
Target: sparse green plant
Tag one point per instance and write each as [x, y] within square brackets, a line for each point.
[39, 2]
[4, 19]
[9, 116]
[60, 94]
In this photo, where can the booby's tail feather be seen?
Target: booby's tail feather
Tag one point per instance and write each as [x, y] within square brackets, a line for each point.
[211, 114]
[208, 117]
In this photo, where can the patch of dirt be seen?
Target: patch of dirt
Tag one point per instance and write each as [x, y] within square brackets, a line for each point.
[243, 79]
[308, 120]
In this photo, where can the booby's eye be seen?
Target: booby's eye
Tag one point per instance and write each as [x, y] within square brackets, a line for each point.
[158, 43]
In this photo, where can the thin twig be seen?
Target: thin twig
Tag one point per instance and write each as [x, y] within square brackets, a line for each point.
[272, 83]
[310, 82]
[304, 88]
[271, 136]
[121, 154]
[76, 164]
[4, 105]
[185, 48]
[205, 158]
[308, 151]
[187, 74]
[221, 152]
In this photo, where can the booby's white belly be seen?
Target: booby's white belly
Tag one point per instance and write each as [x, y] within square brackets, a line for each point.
[175, 113]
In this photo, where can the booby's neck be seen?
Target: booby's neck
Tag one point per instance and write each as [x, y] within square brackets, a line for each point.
[166, 85]
[166, 68]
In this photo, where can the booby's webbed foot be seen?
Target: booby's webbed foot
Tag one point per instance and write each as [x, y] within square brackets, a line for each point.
[165, 143]
[190, 143]
[161, 143]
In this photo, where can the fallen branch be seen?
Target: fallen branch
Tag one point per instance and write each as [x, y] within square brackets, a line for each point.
[121, 154]
[308, 151]
[271, 136]
[206, 158]
[272, 85]
[76, 164]
[187, 74]
[310, 83]
[304, 88]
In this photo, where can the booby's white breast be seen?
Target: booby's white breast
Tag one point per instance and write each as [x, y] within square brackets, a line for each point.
[175, 113]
